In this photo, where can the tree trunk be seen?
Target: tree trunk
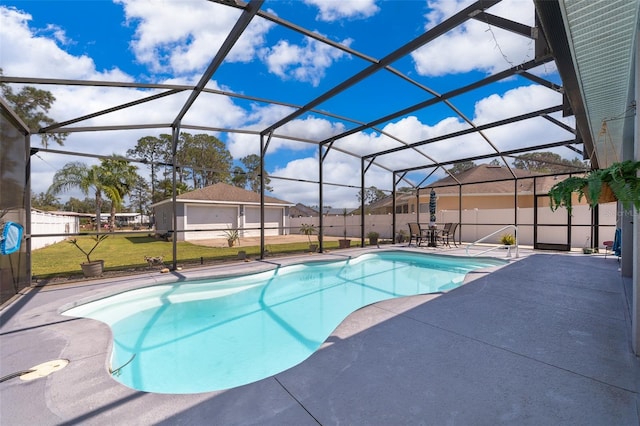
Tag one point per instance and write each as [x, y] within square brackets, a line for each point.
[112, 219]
[98, 211]
[153, 182]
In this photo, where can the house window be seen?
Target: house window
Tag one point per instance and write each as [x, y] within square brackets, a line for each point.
[402, 209]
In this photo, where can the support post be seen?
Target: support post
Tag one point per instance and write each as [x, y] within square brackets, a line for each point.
[362, 201]
[320, 200]
[175, 135]
[394, 225]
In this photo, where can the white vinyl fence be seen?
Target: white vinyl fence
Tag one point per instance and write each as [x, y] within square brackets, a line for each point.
[478, 223]
[47, 223]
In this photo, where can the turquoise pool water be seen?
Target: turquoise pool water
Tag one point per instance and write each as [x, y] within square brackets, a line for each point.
[210, 335]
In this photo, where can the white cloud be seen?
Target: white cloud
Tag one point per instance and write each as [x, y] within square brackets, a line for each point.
[16, 38]
[408, 130]
[515, 102]
[338, 168]
[58, 33]
[341, 168]
[515, 10]
[315, 129]
[440, 10]
[475, 45]
[310, 128]
[340, 9]
[306, 62]
[181, 37]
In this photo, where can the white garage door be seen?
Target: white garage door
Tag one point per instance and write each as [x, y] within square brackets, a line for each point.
[213, 218]
[272, 220]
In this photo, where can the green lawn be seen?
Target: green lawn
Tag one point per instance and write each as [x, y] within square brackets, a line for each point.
[127, 252]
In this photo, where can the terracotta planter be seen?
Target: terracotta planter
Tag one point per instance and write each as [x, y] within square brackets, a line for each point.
[344, 243]
[92, 269]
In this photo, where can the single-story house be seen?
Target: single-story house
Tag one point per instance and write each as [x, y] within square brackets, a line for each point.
[125, 219]
[208, 212]
[484, 187]
[300, 210]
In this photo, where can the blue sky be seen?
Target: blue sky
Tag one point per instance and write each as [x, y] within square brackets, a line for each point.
[173, 42]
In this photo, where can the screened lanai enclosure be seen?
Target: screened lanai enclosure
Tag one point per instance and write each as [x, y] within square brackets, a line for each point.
[380, 118]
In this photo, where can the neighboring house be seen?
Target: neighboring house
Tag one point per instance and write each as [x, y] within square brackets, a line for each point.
[212, 210]
[339, 211]
[124, 219]
[385, 206]
[49, 223]
[483, 187]
[300, 210]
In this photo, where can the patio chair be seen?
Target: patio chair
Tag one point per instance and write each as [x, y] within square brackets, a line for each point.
[608, 245]
[448, 234]
[415, 233]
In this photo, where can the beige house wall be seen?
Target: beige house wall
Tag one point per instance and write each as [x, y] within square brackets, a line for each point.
[470, 201]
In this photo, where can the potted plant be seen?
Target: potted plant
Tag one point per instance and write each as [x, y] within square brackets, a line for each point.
[344, 242]
[373, 237]
[402, 236]
[232, 236]
[91, 268]
[309, 229]
[619, 181]
[507, 239]
[587, 249]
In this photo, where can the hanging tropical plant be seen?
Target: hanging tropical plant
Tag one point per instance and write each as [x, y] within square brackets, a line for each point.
[619, 181]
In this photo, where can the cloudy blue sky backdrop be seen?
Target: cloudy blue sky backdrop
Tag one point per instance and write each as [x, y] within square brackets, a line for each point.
[166, 41]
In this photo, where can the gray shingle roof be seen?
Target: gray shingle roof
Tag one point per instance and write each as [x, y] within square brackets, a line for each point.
[482, 176]
[228, 193]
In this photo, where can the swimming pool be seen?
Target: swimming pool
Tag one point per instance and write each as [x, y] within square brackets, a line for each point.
[217, 334]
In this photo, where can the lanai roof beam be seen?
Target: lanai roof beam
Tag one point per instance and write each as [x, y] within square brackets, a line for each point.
[241, 24]
[430, 35]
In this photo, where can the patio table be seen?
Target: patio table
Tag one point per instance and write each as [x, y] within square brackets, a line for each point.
[431, 233]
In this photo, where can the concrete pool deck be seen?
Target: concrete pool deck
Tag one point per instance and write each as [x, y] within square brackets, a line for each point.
[544, 340]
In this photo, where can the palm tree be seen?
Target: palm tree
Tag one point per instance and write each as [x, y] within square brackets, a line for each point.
[165, 189]
[121, 178]
[84, 177]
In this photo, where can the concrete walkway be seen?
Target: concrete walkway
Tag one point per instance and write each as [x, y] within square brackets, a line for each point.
[544, 340]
